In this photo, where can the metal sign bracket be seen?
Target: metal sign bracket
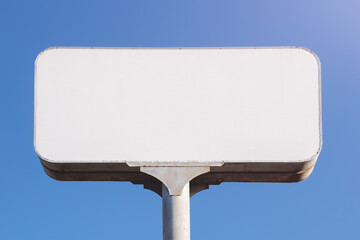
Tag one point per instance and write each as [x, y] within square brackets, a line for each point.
[175, 178]
[175, 198]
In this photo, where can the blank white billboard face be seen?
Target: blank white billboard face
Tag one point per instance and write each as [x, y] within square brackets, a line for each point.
[177, 106]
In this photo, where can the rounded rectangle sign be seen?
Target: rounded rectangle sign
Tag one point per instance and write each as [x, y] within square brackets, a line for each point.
[177, 106]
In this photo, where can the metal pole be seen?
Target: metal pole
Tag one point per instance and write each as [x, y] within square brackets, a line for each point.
[176, 214]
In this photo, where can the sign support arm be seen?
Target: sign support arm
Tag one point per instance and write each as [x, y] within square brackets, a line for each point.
[175, 198]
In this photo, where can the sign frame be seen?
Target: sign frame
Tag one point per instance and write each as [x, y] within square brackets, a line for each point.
[219, 171]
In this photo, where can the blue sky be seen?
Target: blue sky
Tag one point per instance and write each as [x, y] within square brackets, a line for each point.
[325, 206]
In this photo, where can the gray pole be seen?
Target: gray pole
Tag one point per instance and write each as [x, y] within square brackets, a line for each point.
[175, 197]
[176, 214]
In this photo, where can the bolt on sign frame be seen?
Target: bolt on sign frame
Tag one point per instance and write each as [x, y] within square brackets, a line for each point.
[178, 119]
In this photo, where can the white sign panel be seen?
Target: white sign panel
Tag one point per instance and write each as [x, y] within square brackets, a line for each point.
[171, 106]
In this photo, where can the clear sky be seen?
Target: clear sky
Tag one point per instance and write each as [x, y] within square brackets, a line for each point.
[325, 206]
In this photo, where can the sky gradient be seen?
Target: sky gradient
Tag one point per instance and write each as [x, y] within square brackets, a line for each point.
[325, 206]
